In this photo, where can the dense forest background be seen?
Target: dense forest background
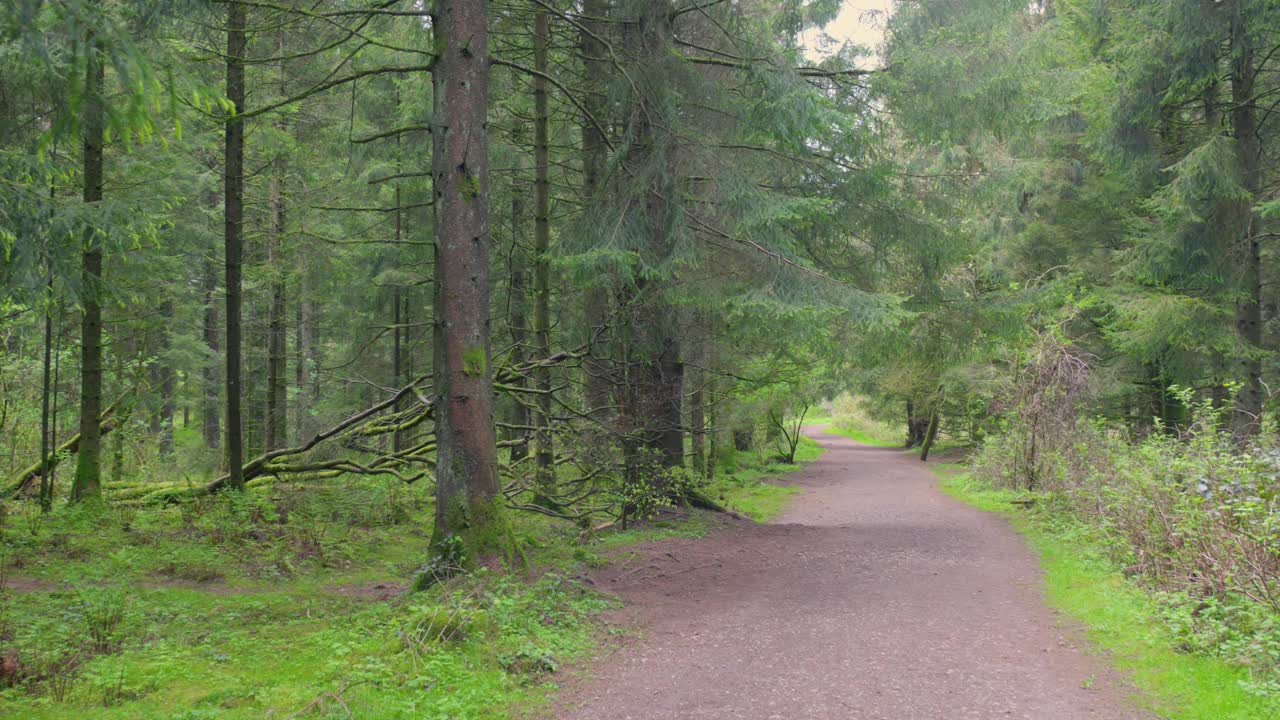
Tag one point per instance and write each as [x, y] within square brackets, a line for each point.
[584, 260]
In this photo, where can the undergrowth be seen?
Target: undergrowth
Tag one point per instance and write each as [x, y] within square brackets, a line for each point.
[1184, 654]
[291, 600]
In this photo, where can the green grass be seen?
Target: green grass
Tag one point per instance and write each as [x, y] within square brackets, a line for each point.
[226, 611]
[865, 436]
[259, 605]
[1122, 619]
[818, 416]
[746, 488]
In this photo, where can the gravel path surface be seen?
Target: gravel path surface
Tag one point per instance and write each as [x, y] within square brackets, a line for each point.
[874, 596]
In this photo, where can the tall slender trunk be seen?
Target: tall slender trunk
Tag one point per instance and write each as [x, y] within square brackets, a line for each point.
[713, 429]
[594, 158]
[518, 301]
[210, 412]
[544, 451]
[162, 379]
[88, 480]
[233, 212]
[276, 431]
[397, 300]
[930, 435]
[307, 361]
[47, 441]
[1247, 416]
[469, 503]
[698, 423]
[125, 349]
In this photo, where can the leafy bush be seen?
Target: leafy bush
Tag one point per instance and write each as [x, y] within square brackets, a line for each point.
[1190, 513]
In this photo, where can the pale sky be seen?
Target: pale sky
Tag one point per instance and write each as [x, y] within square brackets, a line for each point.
[861, 22]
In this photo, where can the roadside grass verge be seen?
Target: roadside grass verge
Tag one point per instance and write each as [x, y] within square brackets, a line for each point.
[1122, 619]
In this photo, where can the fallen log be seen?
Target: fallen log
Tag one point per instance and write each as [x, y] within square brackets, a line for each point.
[107, 422]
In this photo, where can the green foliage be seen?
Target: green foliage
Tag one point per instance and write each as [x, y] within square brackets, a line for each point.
[1190, 516]
[1145, 634]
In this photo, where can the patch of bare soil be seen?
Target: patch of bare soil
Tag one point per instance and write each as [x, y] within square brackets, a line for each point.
[370, 591]
[874, 597]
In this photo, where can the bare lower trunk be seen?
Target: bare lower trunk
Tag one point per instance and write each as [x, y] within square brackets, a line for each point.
[594, 159]
[544, 451]
[210, 410]
[469, 504]
[88, 480]
[233, 217]
[1247, 417]
[164, 380]
[697, 424]
[930, 435]
[518, 301]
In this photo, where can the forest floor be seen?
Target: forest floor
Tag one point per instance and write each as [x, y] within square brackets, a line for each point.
[873, 595]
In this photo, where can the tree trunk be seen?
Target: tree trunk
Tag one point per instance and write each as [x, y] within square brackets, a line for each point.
[308, 360]
[518, 302]
[713, 432]
[660, 377]
[233, 216]
[594, 158]
[163, 379]
[106, 423]
[1247, 415]
[210, 412]
[544, 450]
[88, 480]
[47, 433]
[930, 435]
[276, 430]
[698, 425]
[469, 504]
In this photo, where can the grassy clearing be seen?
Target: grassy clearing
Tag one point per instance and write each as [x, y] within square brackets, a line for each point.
[1122, 619]
[851, 419]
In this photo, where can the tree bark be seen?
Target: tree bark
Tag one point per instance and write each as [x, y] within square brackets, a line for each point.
[518, 301]
[544, 451]
[107, 422]
[47, 439]
[469, 504]
[698, 424]
[930, 435]
[594, 158]
[210, 412]
[276, 430]
[162, 378]
[88, 479]
[233, 221]
[659, 391]
[1247, 415]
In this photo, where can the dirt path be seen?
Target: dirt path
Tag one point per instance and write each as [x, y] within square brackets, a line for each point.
[874, 596]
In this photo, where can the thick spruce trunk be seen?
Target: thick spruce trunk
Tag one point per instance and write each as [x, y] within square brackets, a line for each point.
[469, 504]
[1247, 415]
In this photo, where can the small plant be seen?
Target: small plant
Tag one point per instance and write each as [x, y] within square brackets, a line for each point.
[103, 613]
[35, 520]
[448, 559]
